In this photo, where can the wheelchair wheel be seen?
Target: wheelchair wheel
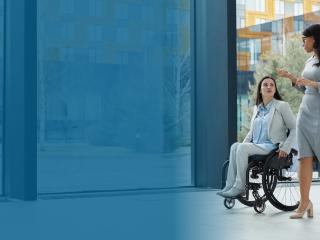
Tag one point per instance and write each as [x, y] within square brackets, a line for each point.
[244, 201]
[229, 203]
[255, 180]
[281, 186]
[259, 206]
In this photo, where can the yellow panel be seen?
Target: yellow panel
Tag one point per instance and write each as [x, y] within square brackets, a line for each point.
[243, 59]
[246, 33]
[308, 10]
[288, 24]
[307, 5]
[266, 45]
[269, 14]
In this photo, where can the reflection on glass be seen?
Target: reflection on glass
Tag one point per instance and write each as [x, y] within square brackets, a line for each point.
[113, 94]
[270, 38]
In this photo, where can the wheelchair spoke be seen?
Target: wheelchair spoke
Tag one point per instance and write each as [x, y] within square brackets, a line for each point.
[281, 187]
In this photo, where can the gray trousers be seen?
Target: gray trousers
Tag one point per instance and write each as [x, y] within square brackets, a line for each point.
[238, 163]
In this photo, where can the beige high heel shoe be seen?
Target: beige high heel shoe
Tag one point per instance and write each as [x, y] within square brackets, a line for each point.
[308, 209]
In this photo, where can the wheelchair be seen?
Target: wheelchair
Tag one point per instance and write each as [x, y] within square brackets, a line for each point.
[268, 178]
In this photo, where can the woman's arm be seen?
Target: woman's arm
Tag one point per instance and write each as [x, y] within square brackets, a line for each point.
[306, 82]
[294, 80]
[248, 138]
[290, 123]
[286, 74]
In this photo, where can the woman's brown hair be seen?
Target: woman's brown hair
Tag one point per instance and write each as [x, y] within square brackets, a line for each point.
[259, 95]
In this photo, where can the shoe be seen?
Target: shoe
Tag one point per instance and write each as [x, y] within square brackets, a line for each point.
[226, 188]
[308, 209]
[233, 192]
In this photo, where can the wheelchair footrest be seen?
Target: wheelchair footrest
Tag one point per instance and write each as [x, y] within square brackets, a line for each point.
[253, 186]
[284, 178]
[254, 176]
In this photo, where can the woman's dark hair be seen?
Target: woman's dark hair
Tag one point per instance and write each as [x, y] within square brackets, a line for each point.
[314, 31]
[259, 95]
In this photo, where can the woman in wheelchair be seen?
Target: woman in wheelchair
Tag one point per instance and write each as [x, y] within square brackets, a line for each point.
[271, 120]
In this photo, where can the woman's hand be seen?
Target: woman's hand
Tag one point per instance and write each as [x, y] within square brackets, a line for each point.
[306, 82]
[283, 73]
[282, 154]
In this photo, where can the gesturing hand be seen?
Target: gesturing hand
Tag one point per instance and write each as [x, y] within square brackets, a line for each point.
[306, 82]
[283, 73]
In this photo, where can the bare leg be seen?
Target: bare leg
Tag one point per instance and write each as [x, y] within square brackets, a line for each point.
[305, 175]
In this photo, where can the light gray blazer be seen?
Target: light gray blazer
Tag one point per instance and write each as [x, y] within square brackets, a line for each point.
[281, 120]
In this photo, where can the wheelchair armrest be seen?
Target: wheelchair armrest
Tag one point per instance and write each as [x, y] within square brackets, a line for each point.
[294, 151]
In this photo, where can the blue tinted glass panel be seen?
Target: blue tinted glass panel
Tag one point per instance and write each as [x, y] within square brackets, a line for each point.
[1, 87]
[114, 94]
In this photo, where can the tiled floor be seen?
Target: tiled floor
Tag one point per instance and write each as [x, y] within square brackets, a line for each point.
[178, 215]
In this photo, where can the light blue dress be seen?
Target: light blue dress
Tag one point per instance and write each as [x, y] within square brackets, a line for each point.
[308, 119]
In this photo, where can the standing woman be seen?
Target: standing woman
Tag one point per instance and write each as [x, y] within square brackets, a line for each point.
[308, 121]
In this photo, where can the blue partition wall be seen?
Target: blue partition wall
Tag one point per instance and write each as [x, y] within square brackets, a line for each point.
[114, 95]
[1, 88]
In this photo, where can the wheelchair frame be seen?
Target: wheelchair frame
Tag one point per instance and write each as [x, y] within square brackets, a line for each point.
[271, 168]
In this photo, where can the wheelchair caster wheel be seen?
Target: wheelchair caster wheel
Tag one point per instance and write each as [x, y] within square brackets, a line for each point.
[259, 206]
[229, 203]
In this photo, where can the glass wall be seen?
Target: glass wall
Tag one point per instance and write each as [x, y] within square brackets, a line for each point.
[261, 48]
[1, 87]
[114, 95]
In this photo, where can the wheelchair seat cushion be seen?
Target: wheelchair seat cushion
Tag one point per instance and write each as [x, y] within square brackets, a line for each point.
[261, 158]
[257, 157]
